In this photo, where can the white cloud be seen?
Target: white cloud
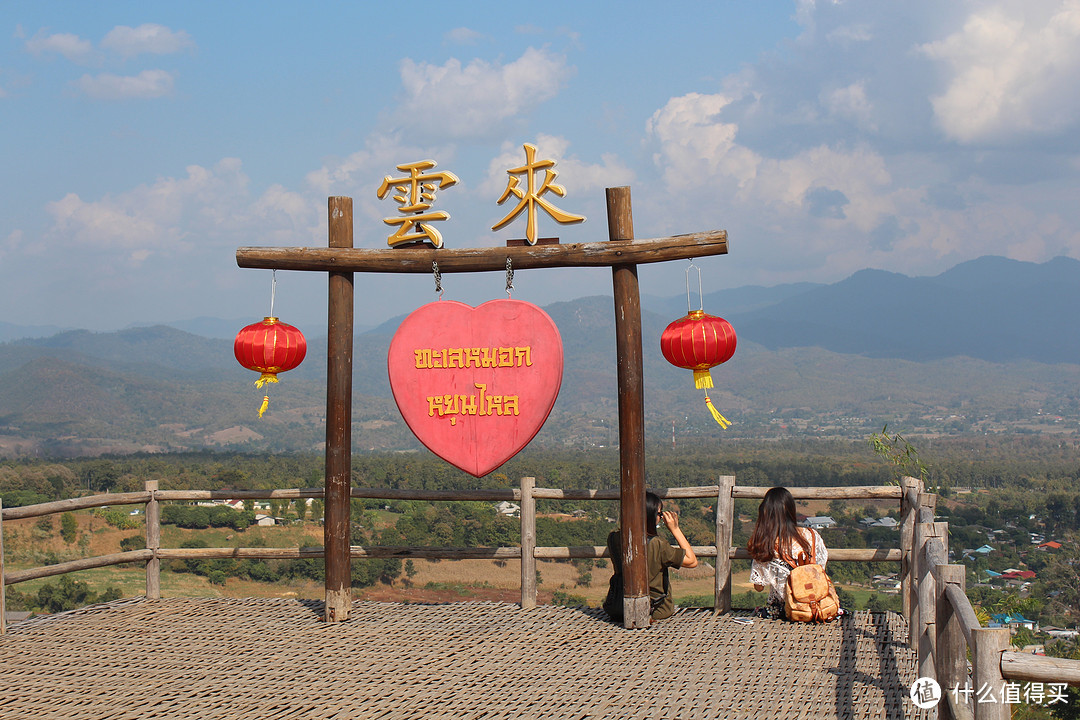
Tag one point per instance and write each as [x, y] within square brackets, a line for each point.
[470, 101]
[170, 216]
[106, 86]
[147, 38]
[1011, 70]
[71, 46]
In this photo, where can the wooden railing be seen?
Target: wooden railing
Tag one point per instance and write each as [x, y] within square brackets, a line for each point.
[942, 622]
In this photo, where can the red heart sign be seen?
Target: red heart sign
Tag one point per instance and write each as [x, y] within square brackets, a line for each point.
[475, 385]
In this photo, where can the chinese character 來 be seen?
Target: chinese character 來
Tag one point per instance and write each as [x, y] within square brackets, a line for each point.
[415, 194]
[531, 198]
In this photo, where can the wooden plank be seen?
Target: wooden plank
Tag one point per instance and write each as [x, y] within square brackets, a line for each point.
[872, 492]
[339, 348]
[528, 544]
[19, 576]
[909, 502]
[195, 495]
[3, 583]
[1038, 668]
[153, 542]
[950, 659]
[988, 647]
[725, 511]
[631, 415]
[962, 606]
[624, 251]
[79, 503]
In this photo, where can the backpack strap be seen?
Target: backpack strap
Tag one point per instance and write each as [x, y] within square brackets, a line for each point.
[813, 552]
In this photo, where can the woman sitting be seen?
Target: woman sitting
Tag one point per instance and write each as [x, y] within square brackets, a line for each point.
[659, 555]
[778, 544]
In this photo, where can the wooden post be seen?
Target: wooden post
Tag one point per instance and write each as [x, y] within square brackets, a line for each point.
[725, 522]
[950, 657]
[153, 541]
[528, 543]
[925, 628]
[3, 585]
[987, 646]
[907, 533]
[631, 417]
[339, 346]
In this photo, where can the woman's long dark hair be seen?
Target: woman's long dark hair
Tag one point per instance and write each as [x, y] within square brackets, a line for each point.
[652, 509]
[776, 530]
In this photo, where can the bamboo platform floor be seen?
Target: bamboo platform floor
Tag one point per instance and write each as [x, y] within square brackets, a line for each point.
[273, 659]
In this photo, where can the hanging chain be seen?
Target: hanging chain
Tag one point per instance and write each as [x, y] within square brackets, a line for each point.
[509, 277]
[438, 278]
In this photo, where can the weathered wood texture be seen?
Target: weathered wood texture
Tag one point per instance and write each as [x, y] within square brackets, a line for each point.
[453, 260]
[79, 503]
[909, 501]
[862, 492]
[988, 644]
[631, 395]
[339, 349]
[528, 543]
[1039, 668]
[950, 659]
[153, 541]
[725, 520]
[3, 584]
[18, 576]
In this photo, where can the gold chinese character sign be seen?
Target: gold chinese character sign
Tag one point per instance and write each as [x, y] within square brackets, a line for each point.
[531, 198]
[416, 193]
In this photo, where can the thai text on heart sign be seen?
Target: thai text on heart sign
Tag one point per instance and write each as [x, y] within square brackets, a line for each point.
[481, 402]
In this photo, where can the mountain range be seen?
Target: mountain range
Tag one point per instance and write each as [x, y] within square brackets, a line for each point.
[987, 345]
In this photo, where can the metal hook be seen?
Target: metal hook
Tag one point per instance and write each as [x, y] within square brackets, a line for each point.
[509, 277]
[273, 291]
[438, 278]
[701, 299]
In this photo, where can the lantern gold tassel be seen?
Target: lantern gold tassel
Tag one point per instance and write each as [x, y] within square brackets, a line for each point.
[265, 404]
[703, 379]
[720, 419]
[266, 378]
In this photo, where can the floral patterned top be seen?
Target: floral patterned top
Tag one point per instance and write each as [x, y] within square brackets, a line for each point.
[774, 574]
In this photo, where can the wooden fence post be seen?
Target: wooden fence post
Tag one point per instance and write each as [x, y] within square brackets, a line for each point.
[725, 522]
[950, 654]
[987, 646]
[3, 587]
[926, 626]
[528, 543]
[153, 541]
[908, 513]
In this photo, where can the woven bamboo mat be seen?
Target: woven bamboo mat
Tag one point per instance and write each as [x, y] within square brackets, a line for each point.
[274, 659]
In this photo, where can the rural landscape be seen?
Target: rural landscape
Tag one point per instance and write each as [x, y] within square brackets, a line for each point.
[999, 439]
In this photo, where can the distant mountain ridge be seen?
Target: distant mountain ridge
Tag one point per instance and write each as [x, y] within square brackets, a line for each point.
[991, 308]
[984, 346]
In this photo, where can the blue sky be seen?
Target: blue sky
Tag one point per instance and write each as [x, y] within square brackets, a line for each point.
[143, 142]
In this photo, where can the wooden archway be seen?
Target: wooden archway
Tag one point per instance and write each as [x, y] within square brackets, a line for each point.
[621, 252]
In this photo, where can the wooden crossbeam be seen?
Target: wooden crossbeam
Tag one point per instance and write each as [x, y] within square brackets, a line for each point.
[450, 260]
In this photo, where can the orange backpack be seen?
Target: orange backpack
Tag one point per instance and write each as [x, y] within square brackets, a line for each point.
[809, 595]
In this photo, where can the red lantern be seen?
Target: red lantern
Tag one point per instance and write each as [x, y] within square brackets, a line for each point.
[698, 342]
[269, 347]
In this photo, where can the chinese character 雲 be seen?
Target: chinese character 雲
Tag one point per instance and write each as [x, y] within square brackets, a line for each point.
[531, 197]
[416, 193]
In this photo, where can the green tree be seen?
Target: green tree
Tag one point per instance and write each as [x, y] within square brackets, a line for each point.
[69, 527]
